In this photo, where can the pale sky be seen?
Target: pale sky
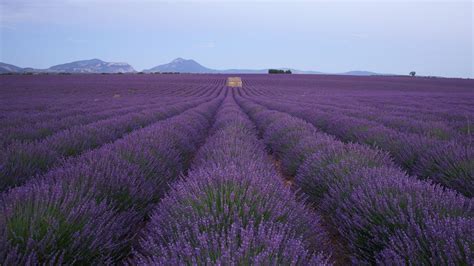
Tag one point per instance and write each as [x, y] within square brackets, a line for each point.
[431, 38]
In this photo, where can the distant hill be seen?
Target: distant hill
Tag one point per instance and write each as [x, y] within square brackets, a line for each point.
[93, 66]
[83, 66]
[179, 65]
[7, 68]
[264, 71]
[243, 71]
[297, 71]
[359, 73]
[190, 66]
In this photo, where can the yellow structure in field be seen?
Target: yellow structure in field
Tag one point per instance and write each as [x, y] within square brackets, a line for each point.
[234, 82]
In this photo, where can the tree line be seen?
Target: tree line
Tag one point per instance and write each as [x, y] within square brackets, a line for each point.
[279, 71]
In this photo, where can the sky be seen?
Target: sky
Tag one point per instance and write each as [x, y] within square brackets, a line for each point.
[396, 37]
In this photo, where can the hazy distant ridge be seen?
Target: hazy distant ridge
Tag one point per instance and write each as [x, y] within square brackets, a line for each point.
[93, 66]
[178, 65]
[181, 65]
[190, 66]
[83, 66]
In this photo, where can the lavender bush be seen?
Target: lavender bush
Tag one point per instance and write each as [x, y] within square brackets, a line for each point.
[333, 163]
[383, 204]
[42, 223]
[451, 165]
[433, 244]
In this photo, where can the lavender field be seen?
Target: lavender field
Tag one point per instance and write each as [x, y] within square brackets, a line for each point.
[284, 170]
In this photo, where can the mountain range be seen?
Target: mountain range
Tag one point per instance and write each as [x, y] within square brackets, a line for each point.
[190, 66]
[93, 66]
[83, 66]
[179, 65]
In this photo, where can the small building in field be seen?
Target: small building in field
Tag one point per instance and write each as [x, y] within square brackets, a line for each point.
[234, 82]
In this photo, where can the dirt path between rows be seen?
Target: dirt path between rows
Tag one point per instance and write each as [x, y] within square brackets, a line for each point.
[340, 254]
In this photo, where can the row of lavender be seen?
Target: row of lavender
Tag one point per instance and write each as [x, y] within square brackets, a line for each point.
[111, 201]
[399, 111]
[20, 124]
[384, 215]
[438, 126]
[433, 126]
[427, 118]
[90, 209]
[450, 163]
[450, 99]
[27, 96]
[37, 128]
[22, 161]
[232, 208]
[71, 107]
[445, 101]
[22, 131]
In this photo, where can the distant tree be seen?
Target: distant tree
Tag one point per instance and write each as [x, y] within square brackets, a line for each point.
[273, 71]
[413, 73]
[278, 71]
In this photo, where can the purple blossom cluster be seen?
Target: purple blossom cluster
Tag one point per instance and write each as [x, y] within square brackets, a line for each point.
[90, 209]
[232, 208]
[384, 215]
